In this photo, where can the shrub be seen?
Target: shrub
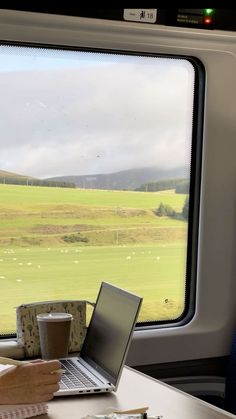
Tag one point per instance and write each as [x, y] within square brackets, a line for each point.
[75, 238]
[185, 208]
[164, 211]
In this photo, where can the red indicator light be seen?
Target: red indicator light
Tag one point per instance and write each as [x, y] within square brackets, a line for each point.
[207, 20]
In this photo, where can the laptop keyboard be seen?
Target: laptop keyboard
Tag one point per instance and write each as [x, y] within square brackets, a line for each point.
[74, 377]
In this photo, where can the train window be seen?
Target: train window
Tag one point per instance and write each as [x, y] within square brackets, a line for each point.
[97, 148]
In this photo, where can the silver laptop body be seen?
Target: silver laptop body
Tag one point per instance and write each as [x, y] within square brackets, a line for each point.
[99, 366]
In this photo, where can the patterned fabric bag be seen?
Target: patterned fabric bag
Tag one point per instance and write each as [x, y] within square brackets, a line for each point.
[27, 327]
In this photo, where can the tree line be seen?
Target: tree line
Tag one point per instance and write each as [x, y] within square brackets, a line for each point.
[180, 186]
[10, 180]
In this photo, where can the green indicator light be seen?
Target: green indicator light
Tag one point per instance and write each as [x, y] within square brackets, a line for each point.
[209, 11]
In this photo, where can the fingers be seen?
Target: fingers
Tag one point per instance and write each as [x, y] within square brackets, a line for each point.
[50, 388]
[47, 392]
[34, 374]
[36, 361]
[48, 378]
[49, 366]
[46, 397]
[43, 367]
[42, 392]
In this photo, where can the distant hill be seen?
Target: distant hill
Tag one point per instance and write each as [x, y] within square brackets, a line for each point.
[4, 173]
[124, 180]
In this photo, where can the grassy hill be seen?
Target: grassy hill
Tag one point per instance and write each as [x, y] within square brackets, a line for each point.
[43, 254]
[56, 216]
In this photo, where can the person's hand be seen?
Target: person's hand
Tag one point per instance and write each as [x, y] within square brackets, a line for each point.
[30, 383]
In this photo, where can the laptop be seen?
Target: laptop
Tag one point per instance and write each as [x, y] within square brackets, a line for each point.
[99, 365]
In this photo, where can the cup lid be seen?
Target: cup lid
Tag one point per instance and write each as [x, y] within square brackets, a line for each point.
[54, 317]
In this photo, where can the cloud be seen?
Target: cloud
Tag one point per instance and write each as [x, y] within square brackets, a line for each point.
[96, 117]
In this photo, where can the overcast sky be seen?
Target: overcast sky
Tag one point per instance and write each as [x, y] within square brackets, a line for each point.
[68, 113]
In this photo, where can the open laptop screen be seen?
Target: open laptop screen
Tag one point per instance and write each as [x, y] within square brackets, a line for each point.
[110, 329]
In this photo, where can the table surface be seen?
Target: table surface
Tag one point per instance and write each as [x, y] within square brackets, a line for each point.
[136, 390]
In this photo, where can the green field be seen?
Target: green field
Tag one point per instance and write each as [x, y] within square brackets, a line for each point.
[61, 243]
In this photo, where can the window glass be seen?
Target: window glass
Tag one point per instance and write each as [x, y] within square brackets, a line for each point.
[94, 177]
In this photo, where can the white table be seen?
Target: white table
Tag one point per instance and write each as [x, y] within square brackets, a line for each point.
[136, 390]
